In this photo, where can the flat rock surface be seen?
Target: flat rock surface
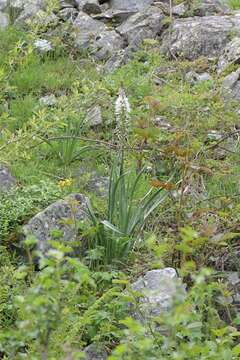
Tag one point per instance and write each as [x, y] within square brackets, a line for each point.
[193, 37]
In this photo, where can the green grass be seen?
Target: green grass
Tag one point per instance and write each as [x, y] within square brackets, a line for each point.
[8, 39]
[22, 109]
[234, 4]
[40, 76]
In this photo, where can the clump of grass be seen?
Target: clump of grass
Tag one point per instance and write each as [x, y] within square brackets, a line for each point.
[234, 4]
[39, 76]
[22, 109]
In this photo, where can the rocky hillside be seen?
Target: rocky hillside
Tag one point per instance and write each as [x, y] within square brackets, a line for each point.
[119, 179]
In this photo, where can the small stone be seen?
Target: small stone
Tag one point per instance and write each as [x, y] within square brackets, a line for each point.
[94, 116]
[43, 45]
[231, 86]
[7, 181]
[159, 289]
[161, 122]
[214, 135]
[4, 20]
[48, 100]
[192, 77]
[99, 185]
[95, 352]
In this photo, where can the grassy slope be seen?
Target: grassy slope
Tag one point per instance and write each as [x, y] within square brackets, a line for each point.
[192, 111]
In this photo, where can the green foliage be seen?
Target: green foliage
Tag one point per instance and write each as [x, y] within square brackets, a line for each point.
[127, 214]
[67, 147]
[18, 205]
[234, 4]
[54, 311]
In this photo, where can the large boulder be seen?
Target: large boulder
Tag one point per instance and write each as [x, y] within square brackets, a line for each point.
[231, 86]
[3, 5]
[22, 10]
[4, 20]
[95, 36]
[89, 6]
[146, 24]
[230, 55]
[62, 216]
[7, 181]
[130, 5]
[158, 289]
[191, 38]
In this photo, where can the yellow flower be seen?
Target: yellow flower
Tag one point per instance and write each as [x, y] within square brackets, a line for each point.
[65, 183]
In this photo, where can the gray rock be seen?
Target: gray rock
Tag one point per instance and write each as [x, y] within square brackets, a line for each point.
[94, 116]
[42, 45]
[89, 6]
[199, 36]
[48, 100]
[159, 289]
[192, 77]
[95, 352]
[197, 8]
[179, 10]
[132, 5]
[96, 37]
[117, 60]
[234, 281]
[230, 55]
[68, 13]
[25, 9]
[61, 216]
[117, 16]
[3, 5]
[4, 20]
[146, 24]
[7, 181]
[231, 86]
[210, 7]
[99, 185]
[214, 135]
[68, 3]
[106, 44]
